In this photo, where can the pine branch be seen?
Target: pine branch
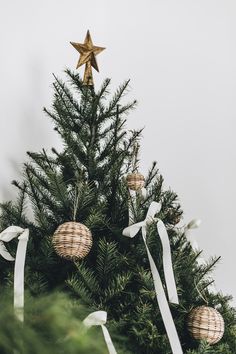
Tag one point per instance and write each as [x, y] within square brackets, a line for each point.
[107, 261]
[204, 270]
[117, 287]
[204, 348]
[101, 94]
[117, 96]
[69, 96]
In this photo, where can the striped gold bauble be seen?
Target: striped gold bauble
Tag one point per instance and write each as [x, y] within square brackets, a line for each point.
[135, 181]
[72, 240]
[206, 323]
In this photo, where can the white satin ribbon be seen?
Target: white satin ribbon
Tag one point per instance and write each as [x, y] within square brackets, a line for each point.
[99, 318]
[132, 231]
[5, 236]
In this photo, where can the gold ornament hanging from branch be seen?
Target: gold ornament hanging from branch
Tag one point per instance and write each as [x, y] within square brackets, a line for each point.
[88, 53]
[206, 323]
[72, 240]
[135, 180]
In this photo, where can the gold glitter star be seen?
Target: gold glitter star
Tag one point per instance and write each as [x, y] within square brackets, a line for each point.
[88, 53]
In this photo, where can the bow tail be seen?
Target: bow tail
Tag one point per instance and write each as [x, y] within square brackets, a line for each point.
[167, 263]
[163, 304]
[108, 340]
[19, 275]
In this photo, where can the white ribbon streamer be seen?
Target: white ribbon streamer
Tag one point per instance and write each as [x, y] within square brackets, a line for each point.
[99, 318]
[132, 231]
[7, 235]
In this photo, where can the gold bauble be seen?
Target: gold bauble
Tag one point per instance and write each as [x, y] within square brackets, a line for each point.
[206, 323]
[72, 240]
[135, 181]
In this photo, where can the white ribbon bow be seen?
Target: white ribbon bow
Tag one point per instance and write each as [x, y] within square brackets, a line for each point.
[194, 224]
[131, 231]
[99, 318]
[5, 236]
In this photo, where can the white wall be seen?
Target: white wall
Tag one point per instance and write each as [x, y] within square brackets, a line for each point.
[181, 58]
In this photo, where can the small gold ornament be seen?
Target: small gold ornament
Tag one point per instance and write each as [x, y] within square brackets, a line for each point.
[72, 240]
[135, 181]
[206, 323]
[88, 54]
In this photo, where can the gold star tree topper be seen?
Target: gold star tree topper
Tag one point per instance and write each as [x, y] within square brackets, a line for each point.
[88, 53]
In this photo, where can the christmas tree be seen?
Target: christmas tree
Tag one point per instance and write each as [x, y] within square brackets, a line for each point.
[86, 200]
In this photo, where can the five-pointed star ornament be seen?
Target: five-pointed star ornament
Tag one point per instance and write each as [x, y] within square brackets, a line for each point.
[88, 53]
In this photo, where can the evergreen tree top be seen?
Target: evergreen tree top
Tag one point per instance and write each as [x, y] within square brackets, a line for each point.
[86, 182]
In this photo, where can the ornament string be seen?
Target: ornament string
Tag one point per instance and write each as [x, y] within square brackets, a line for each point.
[76, 202]
[23, 235]
[133, 193]
[135, 157]
[199, 293]
[131, 231]
[99, 318]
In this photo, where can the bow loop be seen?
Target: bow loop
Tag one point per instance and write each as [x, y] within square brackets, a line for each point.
[96, 318]
[194, 224]
[132, 230]
[23, 235]
[153, 209]
[6, 236]
[99, 318]
[10, 232]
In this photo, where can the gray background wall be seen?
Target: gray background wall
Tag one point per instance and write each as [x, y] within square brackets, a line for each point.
[181, 59]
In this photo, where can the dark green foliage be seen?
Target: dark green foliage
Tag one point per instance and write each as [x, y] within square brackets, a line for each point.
[86, 182]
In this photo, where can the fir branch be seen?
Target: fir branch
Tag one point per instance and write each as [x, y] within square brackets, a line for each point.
[117, 96]
[68, 94]
[107, 261]
[101, 94]
[204, 270]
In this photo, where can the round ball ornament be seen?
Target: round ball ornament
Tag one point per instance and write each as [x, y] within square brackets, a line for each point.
[135, 181]
[72, 240]
[206, 323]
